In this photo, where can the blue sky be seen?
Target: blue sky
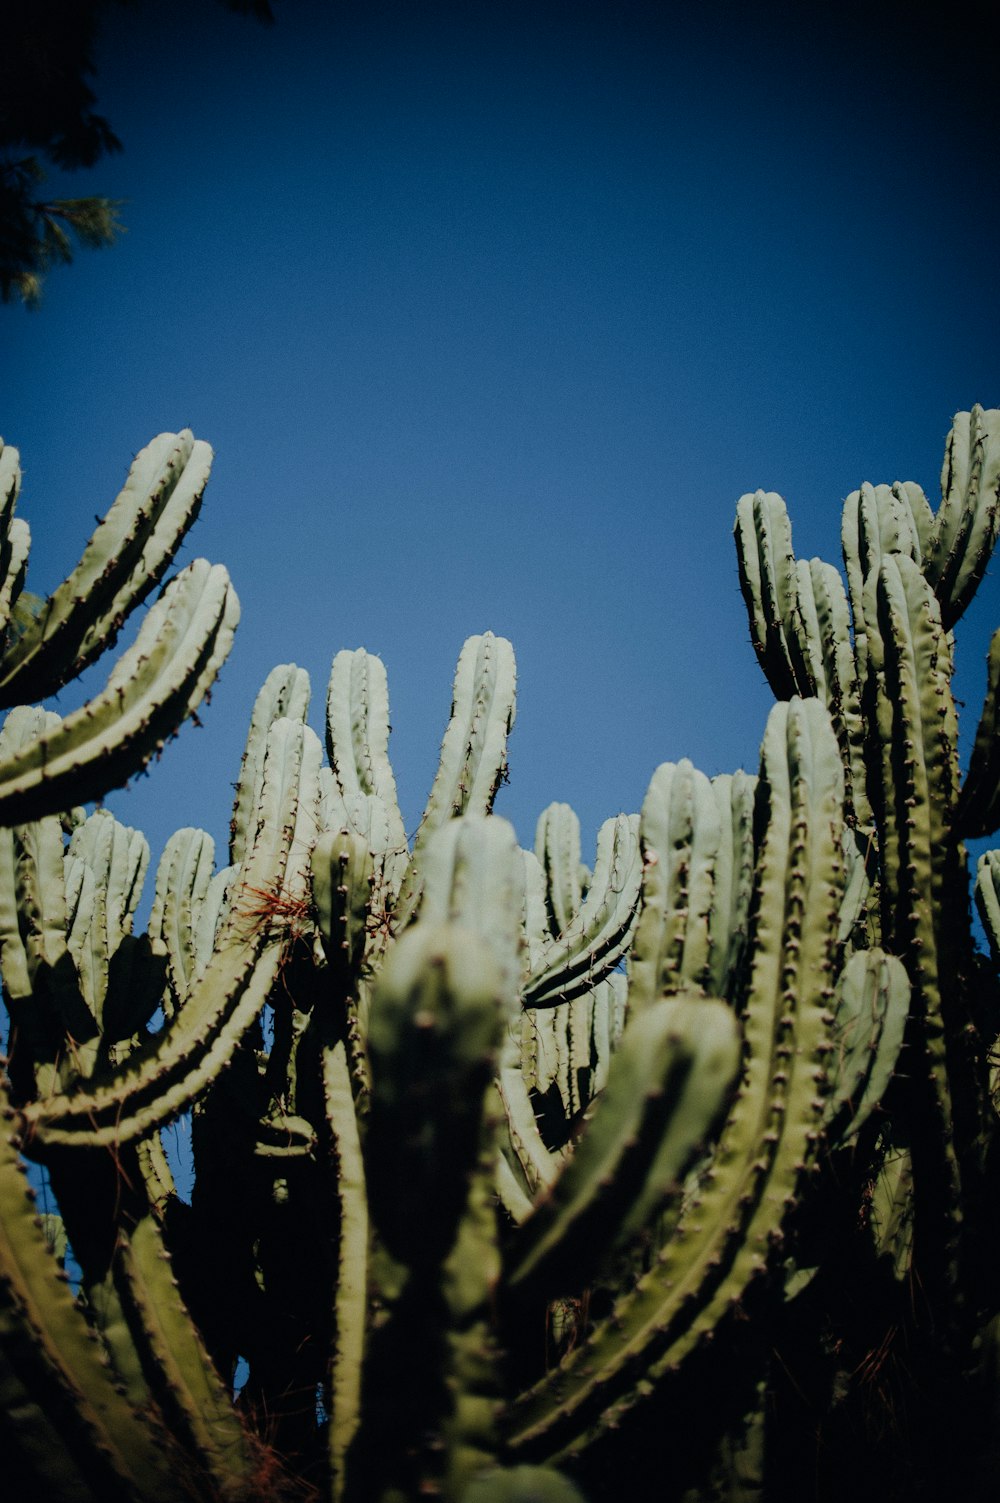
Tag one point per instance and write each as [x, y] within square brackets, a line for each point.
[491, 312]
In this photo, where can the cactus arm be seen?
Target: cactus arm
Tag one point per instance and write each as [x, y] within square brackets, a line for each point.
[10, 482]
[157, 1176]
[538, 1166]
[364, 822]
[183, 878]
[510, 1193]
[808, 618]
[212, 915]
[600, 933]
[40, 982]
[342, 875]
[470, 1277]
[978, 812]
[124, 560]
[609, 1006]
[474, 750]
[680, 831]
[531, 1056]
[725, 1235]
[879, 520]
[351, 1284]
[152, 1089]
[192, 1049]
[667, 1083]
[186, 1385]
[829, 637]
[769, 584]
[473, 875]
[283, 695]
[917, 774]
[733, 886]
[164, 676]
[799, 616]
[968, 519]
[892, 1212]
[436, 1024]
[105, 863]
[921, 515]
[987, 894]
[45, 1338]
[120, 857]
[357, 738]
[343, 871]
[557, 847]
[15, 544]
[873, 998]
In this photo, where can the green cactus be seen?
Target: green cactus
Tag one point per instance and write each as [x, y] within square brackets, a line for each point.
[44, 643]
[513, 1179]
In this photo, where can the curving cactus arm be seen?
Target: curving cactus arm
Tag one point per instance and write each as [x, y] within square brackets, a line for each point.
[99, 1448]
[988, 898]
[474, 750]
[734, 794]
[978, 811]
[681, 832]
[667, 1083]
[357, 738]
[186, 1384]
[283, 695]
[557, 848]
[15, 537]
[600, 931]
[164, 676]
[183, 879]
[437, 1024]
[769, 582]
[725, 1236]
[968, 520]
[914, 789]
[125, 559]
[351, 1284]
[870, 1013]
[194, 1047]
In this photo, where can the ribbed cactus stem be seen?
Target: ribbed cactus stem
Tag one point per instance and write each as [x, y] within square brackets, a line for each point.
[284, 695]
[474, 750]
[125, 559]
[198, 1043]
[680, 831]
[726, 1235]
[599, 933]
[968, 519]
[163, 677]
[978, 812]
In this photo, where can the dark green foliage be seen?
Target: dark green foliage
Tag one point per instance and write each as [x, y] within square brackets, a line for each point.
[47, 110]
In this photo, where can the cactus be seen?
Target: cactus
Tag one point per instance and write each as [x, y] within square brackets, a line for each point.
[45, 643]
[513, 1179]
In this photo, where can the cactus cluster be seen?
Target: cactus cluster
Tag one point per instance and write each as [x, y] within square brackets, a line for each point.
[514, 1180]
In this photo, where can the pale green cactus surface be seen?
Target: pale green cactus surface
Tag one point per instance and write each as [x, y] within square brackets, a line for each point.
[514, 1181]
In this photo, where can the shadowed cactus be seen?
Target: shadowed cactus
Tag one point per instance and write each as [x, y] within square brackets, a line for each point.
[513, 1179]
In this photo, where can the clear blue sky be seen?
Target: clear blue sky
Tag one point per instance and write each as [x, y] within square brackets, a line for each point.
[491, 312]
